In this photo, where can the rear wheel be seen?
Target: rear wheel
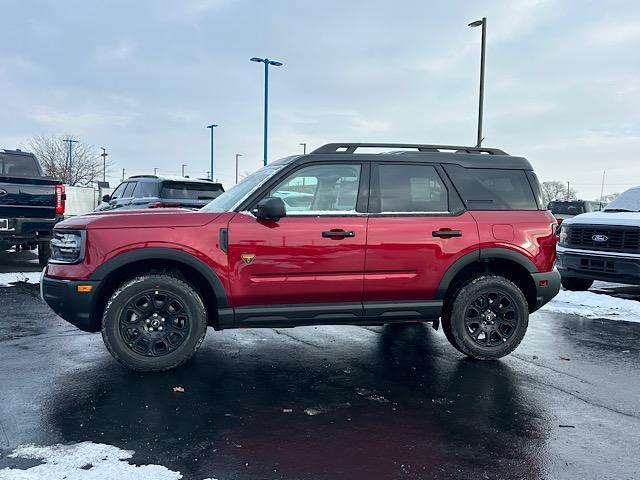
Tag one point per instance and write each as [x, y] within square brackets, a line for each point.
[576, 284]
[44, 252]
[154, 323]
[487, 318]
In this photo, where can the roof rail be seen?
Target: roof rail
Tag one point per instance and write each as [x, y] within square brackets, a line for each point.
[143, 176]
[352, 147]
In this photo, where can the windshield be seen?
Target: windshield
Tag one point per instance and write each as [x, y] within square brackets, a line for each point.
[236, 194]
[628, 201]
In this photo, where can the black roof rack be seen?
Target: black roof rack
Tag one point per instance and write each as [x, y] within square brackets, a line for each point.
[352, 147]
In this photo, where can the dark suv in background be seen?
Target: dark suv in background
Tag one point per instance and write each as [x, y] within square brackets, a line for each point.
[152, 191]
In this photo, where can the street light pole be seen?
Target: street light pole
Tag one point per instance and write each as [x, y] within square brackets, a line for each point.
[70, 142]
[304, 148]
[237, 155]
[482, 23]
[266, 62]
[104, 164]
[183, 165]
[211, 127]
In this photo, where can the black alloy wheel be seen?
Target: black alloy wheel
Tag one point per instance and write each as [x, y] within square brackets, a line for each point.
[154, 323]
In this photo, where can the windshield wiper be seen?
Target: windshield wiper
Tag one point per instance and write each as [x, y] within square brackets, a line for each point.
[618, 210]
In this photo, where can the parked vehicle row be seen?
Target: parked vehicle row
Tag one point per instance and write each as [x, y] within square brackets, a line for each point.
[451, 235]
[30, 203]
[602, 245]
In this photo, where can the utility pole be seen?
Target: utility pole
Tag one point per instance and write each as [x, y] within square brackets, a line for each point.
[183, 165]
[602, 188]
[304, 148]
[482, 23]
[211, 127]
[104, 164]
[568, 190]
[70, 142]
[237, 155]
[123, 174]
[155, 171]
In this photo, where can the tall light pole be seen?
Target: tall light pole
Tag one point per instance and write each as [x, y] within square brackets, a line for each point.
[482, 23]
[70, 142]
[183, 165]
[211, 127]
[304, 148]
[237, 155]
[104, 164]
[266, 62]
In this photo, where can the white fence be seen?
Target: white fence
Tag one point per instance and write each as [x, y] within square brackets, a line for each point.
[81, 200]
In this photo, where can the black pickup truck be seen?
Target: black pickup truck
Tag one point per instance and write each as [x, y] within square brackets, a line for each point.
[30, 203]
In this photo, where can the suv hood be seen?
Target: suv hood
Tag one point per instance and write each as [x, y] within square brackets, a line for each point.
[165, 217]
[605, 218]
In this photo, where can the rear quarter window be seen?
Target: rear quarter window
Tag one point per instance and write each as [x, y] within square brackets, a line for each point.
[493, 189]
[190, 191]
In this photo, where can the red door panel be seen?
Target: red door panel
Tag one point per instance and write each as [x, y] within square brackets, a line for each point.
[293, 263]
[405, 262]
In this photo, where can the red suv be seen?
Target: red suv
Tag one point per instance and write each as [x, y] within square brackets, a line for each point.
[451, 235]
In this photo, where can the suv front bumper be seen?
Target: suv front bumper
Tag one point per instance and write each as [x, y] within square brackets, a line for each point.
[605, 266]
[75, 307]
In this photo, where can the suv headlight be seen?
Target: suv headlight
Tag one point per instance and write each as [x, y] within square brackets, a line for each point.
[564, 235]
[67, 246]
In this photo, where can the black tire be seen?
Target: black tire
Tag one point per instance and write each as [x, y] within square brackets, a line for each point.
[487, 318]
[576, 284]
[154, 323]
[44, 252]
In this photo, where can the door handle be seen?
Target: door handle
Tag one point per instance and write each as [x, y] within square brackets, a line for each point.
[338, 234]
[446, 233]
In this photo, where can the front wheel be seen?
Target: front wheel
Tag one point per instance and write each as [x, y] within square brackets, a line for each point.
[487, 319]
[154, 323]
[576, 284]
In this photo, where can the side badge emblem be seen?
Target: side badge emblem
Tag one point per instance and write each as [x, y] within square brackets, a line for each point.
[248, 257]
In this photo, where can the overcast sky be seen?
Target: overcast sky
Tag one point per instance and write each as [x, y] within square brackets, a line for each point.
[144, 79]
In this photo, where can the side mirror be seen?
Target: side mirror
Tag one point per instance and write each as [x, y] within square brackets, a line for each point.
[106, 198]
[270, 208]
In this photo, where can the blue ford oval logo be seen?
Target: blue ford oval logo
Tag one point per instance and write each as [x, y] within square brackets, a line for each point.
[600, 238]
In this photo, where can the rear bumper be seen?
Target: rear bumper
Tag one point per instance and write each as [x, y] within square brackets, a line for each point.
[76, 308]
[604, 266]
[547, 286]
[29, 229]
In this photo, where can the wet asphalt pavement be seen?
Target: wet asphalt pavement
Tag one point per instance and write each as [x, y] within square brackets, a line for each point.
[333, 402]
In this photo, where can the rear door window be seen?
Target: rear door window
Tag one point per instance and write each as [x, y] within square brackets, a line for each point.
[411, 189]
[145, 190]
[493, 189]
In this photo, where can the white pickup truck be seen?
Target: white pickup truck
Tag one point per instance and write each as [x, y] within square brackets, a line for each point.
[602, 245]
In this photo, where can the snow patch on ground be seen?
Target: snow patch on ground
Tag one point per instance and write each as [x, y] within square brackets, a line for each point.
[6, 279]
[83, 461]
[594, 305]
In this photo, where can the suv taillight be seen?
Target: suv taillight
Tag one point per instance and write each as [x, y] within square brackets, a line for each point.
[60, 199]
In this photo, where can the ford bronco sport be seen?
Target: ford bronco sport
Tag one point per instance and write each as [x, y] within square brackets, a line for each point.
[450, 235]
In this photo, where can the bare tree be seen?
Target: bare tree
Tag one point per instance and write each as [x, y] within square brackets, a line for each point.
[53, 152]
[608, 197]
[555, 190]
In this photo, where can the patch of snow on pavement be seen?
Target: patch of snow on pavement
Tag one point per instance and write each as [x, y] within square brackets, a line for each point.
[83, 461]
[593, 305]
[6, 279]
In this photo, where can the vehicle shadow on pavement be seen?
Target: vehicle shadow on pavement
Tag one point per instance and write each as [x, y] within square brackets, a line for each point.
[396, 407]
